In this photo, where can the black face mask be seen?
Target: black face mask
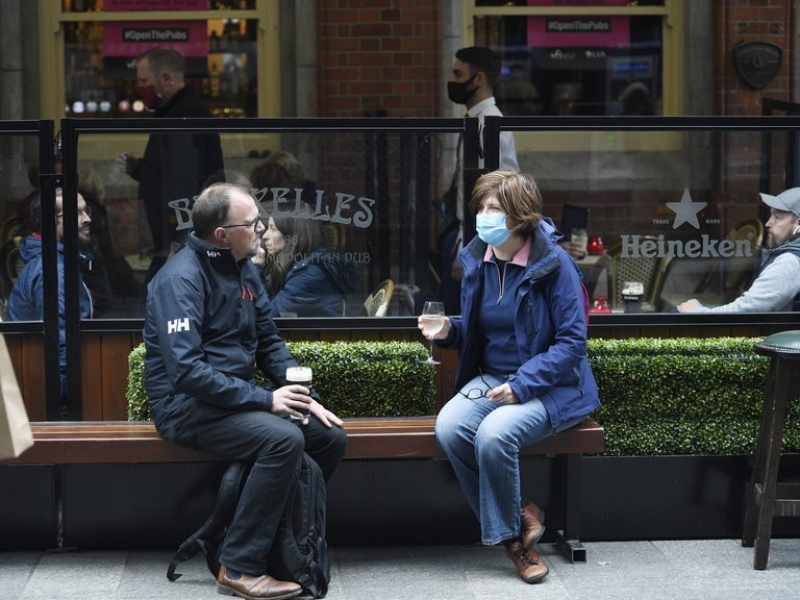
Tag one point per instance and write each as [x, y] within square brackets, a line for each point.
[458, 92]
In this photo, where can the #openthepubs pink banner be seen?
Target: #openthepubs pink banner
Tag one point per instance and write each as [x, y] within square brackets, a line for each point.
[577, 2]
[132, 38]
[578, 32]
[153, 5]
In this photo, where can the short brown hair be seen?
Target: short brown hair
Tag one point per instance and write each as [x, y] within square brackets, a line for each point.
[517, 194]
[162, 58]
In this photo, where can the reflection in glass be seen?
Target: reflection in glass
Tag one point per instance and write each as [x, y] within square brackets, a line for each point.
[678, 211]
[575, 64]
[100, 65]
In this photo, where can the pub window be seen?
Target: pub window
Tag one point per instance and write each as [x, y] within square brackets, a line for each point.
[581, 57]
[95, 44]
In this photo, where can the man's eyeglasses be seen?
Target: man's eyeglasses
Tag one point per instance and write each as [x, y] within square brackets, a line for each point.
[254, 224]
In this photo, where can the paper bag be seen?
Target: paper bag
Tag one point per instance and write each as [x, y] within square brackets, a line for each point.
[15, 429]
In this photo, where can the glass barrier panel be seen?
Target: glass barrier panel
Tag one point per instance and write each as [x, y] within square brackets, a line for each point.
[354, 208]
[19, 171]
[680, 224]
[680, 221]
[19, 174]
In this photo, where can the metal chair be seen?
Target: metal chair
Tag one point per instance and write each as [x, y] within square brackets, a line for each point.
[618, 269]
[377, 303]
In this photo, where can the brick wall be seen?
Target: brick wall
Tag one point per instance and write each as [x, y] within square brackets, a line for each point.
[375, 59]
[742, 21]
[737, 22]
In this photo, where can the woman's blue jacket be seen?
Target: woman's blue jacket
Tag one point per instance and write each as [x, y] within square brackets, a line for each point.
[550, 326]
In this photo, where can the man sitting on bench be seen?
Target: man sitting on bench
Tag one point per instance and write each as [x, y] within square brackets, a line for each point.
[208, 326]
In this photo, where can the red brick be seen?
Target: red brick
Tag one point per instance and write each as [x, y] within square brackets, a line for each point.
[371, 59]
[391, 44]
[341, 15]
[369, 15]
[403, 30]
[363, 88]
[369, 44]
[338, 44]
[774, 14]
[372, 29]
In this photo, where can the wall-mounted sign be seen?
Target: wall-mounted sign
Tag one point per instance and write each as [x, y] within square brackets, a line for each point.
[757, 62]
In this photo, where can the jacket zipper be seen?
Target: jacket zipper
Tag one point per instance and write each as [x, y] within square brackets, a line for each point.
[501, 280]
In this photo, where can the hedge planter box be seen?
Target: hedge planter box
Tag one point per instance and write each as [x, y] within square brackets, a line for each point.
[700, 396]
[682, 396]
[354, 379]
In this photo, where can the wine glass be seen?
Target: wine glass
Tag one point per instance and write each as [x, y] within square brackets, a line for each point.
[432, 323]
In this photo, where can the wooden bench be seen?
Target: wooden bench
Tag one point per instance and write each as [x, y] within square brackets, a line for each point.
[400, 438]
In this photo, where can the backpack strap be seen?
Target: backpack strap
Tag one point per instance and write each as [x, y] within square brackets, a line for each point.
[208, 537]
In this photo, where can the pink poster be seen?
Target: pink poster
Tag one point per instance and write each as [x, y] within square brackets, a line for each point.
[578, 32]
[153, 5]
[132, 38]
[577, 2]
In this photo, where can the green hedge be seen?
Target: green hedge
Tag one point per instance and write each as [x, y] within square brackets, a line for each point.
[354, 379]
[659, 396]
[682, 395]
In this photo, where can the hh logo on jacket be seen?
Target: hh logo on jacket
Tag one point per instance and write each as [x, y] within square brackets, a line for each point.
[177, 325]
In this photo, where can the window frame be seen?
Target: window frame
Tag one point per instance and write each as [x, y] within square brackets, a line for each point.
[673, 55]
[52, 78]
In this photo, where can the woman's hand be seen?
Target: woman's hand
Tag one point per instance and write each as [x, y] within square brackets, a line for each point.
[503, 394]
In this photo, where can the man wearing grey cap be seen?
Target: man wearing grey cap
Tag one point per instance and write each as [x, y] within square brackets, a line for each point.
[776, 285]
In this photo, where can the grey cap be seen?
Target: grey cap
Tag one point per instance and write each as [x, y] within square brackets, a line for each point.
[788, 201]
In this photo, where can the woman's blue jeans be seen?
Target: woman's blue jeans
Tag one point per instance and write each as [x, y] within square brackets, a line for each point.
[482, 440]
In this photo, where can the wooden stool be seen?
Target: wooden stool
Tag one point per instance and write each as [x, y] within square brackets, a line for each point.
[766, 497]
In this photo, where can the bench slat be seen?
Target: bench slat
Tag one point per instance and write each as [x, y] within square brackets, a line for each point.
[89, 442]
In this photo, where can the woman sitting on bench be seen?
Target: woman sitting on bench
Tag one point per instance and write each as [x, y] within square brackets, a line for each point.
[523, 371]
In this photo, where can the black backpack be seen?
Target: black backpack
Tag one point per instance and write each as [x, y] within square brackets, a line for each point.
[300, 552]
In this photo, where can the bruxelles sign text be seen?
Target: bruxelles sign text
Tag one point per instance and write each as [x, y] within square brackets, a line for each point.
[346, 210]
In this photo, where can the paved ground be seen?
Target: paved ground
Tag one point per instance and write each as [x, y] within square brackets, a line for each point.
[663, 570]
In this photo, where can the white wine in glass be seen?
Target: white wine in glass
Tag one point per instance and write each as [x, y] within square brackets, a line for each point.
[432, 323]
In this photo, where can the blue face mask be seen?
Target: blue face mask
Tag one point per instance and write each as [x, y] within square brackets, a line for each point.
[492, 228]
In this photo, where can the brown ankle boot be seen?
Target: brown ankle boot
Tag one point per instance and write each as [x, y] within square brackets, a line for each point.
[532, 524]
[529, 566]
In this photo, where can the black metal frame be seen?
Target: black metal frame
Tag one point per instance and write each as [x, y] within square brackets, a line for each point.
[48, 147]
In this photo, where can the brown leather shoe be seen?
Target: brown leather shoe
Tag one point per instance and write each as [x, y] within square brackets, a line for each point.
[532, 524]
[529, 566]
[254, 587]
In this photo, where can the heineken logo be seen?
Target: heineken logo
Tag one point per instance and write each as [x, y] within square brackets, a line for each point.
[633, 246]
[687, 213]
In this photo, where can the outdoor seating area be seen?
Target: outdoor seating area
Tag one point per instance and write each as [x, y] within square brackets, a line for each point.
[582, 469]
[101, 444]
